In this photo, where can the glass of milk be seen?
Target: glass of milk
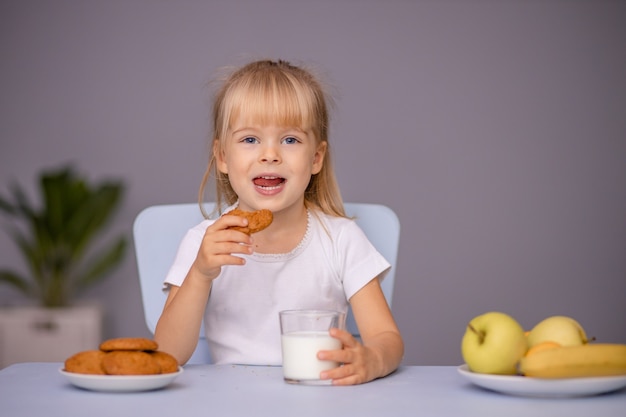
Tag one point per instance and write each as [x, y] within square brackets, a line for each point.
[303, 334]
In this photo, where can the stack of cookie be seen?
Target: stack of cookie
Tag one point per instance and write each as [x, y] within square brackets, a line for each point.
[123, 356]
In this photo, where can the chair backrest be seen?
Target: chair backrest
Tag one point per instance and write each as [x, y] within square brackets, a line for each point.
[158, 230]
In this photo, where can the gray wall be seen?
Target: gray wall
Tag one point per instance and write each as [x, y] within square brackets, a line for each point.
[495, 129]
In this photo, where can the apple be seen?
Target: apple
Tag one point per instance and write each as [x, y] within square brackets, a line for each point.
[560, 329]
[493, 343]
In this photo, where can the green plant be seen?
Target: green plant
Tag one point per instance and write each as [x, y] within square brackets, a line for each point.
[55, 240]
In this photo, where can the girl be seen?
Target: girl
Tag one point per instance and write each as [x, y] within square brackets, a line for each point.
[270, 151]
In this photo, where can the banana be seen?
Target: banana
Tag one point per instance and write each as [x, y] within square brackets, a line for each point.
[596, 359]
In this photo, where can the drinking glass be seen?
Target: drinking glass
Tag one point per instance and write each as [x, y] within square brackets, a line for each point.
[303, 334]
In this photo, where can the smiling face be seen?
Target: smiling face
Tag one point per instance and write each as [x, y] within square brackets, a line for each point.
[275, 114]
[269, 166]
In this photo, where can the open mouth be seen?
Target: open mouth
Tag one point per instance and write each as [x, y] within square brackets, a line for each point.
[268, 183]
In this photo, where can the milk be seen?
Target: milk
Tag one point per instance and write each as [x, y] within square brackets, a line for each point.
[300, 349]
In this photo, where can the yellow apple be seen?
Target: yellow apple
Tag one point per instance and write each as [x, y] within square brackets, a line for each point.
[493, 343]
[560, 329]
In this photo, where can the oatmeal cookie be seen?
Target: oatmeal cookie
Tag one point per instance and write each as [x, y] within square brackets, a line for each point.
[128, 343]
[257, 220]
[86, 362]
[167, 362]
[128, 362]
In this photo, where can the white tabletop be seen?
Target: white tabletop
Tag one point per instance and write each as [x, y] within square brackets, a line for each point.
[38, 389]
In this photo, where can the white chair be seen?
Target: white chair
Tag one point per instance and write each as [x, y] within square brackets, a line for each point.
[159, 229]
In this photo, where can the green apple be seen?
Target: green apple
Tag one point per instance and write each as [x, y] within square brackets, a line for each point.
[560, 329]
[493, 343]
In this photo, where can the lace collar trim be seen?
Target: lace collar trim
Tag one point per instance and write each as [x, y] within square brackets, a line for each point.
[274, 257]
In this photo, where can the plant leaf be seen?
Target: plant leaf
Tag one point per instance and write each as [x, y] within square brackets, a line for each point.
[56, 237]
[23, 206]
[15, 280]
[94, 214]
[103, 264]
[6, 206]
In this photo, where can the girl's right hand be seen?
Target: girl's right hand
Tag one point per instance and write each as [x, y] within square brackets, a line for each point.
[219, 244]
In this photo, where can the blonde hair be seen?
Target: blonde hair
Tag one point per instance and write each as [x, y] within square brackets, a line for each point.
[284, 94]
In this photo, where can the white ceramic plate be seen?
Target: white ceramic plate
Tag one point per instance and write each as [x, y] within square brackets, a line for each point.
[538, 387]
[121, 383]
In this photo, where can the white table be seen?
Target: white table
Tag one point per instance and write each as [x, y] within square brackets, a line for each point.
[38, 389]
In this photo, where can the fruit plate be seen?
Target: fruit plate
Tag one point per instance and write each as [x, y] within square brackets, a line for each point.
[121, 383]
[538, 387]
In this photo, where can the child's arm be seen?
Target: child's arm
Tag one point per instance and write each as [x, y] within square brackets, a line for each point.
[382, 348]
[179, 325]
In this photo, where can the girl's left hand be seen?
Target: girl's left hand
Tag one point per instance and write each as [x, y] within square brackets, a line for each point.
[360, 363]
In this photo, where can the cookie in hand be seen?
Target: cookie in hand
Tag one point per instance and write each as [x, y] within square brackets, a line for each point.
[257, 220]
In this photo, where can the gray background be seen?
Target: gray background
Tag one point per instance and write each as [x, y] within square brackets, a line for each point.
[495, 129]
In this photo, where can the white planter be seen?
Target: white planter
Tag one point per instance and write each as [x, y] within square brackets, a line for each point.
[33, 334]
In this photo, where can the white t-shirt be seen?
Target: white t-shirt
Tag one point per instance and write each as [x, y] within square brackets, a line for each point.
[333, 261]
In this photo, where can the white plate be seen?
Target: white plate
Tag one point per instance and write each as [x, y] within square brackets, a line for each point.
[121, 383]
[538, 387]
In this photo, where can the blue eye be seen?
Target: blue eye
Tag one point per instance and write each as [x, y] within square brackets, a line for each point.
[249, 139]
[290, 140]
